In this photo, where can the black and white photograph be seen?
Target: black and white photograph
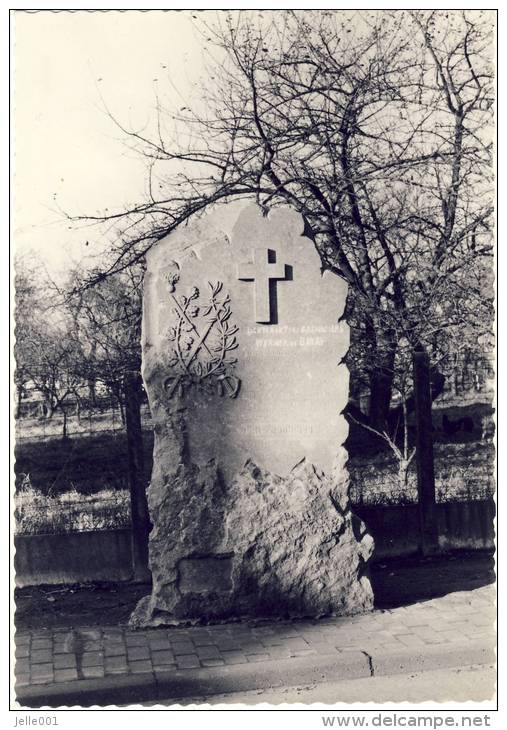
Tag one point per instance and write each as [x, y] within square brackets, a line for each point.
[253, 381]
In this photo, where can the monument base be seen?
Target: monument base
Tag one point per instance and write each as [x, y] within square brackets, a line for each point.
[261, 546]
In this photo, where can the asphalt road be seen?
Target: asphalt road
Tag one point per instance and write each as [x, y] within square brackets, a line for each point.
[466, 684]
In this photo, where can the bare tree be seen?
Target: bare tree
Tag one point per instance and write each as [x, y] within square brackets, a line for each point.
[46, 351]
[107, 325]
[376, 126]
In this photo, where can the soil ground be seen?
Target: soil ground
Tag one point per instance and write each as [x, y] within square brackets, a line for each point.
[395, 583]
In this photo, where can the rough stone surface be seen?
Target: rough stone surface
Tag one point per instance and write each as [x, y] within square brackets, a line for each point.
[249, 489]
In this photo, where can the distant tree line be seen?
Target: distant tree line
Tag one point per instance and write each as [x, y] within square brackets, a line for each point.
[70, 340]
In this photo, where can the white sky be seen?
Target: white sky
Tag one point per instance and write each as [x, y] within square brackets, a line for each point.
[64, 142]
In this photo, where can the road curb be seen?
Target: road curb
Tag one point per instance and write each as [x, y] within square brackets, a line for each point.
[179, 684]
[182, 683]
[434, 656]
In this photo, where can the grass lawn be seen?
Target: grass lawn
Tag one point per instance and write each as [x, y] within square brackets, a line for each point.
[85, 464]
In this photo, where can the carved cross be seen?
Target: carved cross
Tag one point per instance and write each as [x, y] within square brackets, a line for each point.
[264, 272]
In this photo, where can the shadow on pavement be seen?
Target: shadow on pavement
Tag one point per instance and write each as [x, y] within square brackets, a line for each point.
[403, 581]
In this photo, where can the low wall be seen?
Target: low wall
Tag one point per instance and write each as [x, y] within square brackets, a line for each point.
[106, 555]
[73, 557]
[462, 526]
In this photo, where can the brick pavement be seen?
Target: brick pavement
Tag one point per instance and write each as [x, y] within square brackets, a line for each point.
[49, 656]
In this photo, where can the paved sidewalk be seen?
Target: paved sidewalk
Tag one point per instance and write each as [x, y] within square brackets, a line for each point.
[112, 665]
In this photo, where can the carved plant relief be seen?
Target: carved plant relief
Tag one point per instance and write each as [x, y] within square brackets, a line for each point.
[202, 339]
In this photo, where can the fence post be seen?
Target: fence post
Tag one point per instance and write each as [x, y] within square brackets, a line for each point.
[141, 525]
[424, 453]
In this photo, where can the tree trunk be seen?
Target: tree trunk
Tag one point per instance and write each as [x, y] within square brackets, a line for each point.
[424, 453]
[19, 391]
[92, 393]
[78, 410]
[380, 398]
[122, 412]
[381, 387]
[141, 525]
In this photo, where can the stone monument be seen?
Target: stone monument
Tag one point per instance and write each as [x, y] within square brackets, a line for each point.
[242, 360]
